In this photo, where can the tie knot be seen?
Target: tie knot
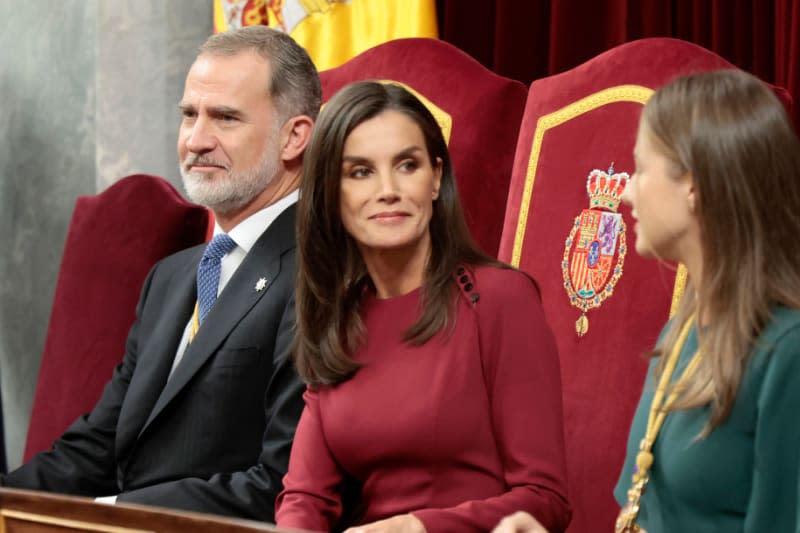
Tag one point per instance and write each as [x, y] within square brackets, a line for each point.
[219, 246]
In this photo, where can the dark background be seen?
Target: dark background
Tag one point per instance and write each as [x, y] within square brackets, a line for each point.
[530, 39]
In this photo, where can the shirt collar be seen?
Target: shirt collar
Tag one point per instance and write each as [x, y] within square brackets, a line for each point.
[247, 232]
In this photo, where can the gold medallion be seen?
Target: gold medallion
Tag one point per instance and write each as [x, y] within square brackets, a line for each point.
[582, 325]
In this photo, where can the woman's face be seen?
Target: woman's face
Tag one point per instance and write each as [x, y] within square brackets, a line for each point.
[661, 202]
[388, 186]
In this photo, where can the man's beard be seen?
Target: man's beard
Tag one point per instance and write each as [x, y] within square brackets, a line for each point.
[234, 190]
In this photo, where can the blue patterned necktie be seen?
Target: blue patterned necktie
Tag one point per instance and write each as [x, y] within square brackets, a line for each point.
[208, 272]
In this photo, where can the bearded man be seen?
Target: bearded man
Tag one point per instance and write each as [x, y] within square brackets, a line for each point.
[201, 412]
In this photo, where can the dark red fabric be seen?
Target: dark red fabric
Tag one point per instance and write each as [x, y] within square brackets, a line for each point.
[114, 239]
[531, 40]
[460, 431]
[485, 108]
[603, 371]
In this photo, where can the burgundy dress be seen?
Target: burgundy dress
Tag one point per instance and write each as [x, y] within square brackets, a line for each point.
[460, 431]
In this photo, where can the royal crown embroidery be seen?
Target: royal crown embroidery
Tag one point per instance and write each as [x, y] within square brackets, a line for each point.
[596, 239]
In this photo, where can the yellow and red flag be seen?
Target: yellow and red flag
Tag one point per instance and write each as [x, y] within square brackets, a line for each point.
[332, 31]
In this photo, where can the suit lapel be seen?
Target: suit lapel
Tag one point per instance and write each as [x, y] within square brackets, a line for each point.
[151, 374]
[236, 300]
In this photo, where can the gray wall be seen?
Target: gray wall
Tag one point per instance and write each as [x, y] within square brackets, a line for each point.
[88, 93]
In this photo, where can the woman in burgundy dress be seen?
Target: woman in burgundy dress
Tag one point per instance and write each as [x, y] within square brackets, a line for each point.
[434, 393]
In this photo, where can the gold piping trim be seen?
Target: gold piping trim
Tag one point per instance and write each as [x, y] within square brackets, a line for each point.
[442, 117]
[620, 93]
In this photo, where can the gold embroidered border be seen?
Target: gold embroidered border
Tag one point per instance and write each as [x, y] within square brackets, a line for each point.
[620, 93]
[442, 117]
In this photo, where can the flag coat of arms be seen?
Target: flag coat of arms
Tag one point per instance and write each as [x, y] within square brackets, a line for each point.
[332, 31]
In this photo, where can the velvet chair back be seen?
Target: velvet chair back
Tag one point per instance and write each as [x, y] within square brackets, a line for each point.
[114, 239]
[576, 126]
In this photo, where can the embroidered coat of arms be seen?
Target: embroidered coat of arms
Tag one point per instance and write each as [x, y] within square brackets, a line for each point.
[594, 252]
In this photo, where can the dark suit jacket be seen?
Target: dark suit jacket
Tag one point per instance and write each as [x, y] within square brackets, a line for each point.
[216, 436]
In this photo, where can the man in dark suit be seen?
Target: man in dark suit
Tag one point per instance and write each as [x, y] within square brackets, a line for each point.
[201, 411]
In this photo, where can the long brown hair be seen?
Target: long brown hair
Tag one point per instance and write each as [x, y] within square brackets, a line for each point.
[732, 135]
[331, 276]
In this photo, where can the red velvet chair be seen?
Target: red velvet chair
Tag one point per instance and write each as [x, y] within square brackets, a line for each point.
[574, 123]
[480, 113]
[114, 239]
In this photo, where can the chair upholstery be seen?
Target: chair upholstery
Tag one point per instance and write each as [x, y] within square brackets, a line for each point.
[574, 123]
[113, 240]
[480, 112]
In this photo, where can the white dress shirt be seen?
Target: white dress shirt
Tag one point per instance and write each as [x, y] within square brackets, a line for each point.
[245, 235]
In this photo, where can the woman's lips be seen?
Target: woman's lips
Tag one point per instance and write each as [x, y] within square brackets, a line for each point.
[389, 216]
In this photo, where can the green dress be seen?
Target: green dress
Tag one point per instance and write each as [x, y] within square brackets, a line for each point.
[744, 475]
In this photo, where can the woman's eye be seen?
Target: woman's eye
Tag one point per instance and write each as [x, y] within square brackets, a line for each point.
[359, 172]
[408, 166]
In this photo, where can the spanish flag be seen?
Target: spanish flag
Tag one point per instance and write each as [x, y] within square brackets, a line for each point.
[332, 31]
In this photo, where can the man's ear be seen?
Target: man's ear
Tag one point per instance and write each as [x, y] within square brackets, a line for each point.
[295, 134]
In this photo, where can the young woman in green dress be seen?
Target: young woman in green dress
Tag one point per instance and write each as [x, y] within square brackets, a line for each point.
[715, 442]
